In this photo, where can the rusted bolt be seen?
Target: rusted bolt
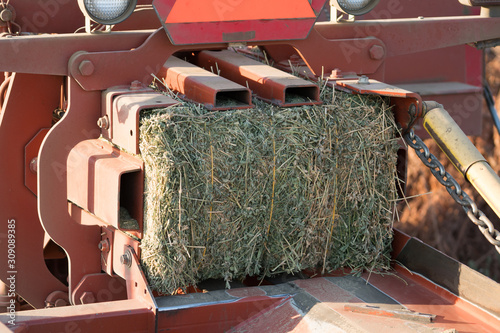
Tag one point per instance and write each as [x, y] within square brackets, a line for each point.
[377, 52]
[104, 245]
[6, 15]
[34, 165]
[103, 122]
[136, 85]
[336, 74]
[126, 259]
[87, 297]
[86, 68]
[364, 80]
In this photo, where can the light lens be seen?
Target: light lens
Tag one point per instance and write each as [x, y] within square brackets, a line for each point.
[355, 7]
[108, 11]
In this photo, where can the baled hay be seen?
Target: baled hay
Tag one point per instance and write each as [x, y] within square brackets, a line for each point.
[266, 191]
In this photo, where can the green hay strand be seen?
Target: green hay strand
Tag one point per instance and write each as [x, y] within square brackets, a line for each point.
[267, 191]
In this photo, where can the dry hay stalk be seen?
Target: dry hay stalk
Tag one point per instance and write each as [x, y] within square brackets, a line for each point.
[268, 190]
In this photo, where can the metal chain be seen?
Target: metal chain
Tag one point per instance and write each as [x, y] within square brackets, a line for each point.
[454, 189]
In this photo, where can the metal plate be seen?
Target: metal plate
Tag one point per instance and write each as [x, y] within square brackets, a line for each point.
[236, 20]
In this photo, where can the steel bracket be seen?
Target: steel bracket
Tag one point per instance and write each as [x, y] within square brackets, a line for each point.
[407, 105]
[105, 181]
[121, 109]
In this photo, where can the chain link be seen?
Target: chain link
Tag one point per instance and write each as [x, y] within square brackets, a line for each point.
[475, 215]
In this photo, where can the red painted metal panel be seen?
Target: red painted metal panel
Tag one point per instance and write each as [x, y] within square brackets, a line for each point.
[64, 16]
[119, 316]
[189, 11]
[31, 158]
[421, 295]
[217, 317]
[28, 108]
[80, 242]
[95, 179]
[239, 31]
[234, 21]
[49, 54]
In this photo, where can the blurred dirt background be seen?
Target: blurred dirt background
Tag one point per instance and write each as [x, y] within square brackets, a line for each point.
[435, 218]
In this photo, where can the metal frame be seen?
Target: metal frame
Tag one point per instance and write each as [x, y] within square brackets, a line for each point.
[117, 59]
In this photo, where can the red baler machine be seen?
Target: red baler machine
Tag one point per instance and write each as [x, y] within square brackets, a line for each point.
[75, 71]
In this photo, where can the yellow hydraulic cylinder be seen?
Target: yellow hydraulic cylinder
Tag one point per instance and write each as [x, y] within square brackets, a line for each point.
[463, 154]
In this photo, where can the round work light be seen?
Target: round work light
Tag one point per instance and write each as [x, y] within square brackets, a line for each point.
[354, 7]
[107, 12]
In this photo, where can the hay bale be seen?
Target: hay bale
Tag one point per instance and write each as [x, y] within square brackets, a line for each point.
[266, 191]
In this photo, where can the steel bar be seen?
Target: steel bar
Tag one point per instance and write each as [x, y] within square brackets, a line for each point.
[270, 84]
[79, 123]
[100, 179]
[204, 87]
[49, 54]
[404, 36]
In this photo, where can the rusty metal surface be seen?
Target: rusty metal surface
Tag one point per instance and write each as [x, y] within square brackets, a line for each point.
[204, 87]
[270, 84]
[27, 109]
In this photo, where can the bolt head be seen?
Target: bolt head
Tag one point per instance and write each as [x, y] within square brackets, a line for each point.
[104, 245]
[336, 74]
[103, 122]
[126, 259]
[377, 52]
[86, 68]
[34, 165]
[136, 85]
[364, 80]
[87, 297]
